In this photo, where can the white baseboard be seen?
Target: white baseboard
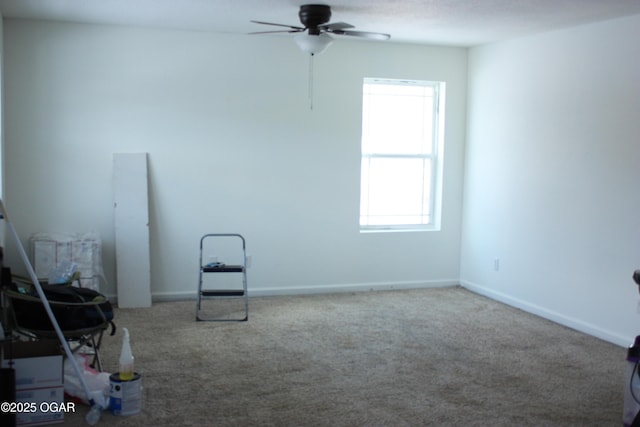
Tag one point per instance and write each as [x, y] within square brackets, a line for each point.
[551, 315]
[357, 287]
[320, 289]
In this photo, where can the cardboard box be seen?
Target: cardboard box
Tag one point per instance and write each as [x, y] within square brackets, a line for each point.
[37, 372]
[41, 406]
[39, 380]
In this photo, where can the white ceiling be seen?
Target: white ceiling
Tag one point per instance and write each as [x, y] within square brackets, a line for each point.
[445, 22]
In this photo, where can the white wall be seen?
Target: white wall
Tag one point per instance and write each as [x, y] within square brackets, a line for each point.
[1, 126]
[2, 229]
[552, 175]
[232, 144]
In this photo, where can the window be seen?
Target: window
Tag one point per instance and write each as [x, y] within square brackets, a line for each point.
[402, 125]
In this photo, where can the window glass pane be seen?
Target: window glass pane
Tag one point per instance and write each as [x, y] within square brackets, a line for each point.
[397, 124]
[395, 191]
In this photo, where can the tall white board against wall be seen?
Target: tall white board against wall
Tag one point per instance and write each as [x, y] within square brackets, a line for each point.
[131, 204]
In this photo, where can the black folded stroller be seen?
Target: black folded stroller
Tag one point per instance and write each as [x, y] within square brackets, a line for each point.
[82, 314]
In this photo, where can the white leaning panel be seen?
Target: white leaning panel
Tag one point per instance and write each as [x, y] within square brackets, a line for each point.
[132, 229]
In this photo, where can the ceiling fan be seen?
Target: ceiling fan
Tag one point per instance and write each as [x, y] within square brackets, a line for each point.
[315, 35]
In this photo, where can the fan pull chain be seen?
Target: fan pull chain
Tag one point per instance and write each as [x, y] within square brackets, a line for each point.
[311, 82]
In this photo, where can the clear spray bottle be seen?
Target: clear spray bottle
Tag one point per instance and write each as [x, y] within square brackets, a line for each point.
[126, 358]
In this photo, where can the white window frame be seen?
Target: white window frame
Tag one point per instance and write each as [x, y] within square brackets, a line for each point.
[430, 207]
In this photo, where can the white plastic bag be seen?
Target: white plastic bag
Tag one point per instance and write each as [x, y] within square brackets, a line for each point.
[97, 382]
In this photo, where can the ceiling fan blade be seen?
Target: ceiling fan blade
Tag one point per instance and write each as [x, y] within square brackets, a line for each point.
[364, 34]
[336, 26]
[278, 31]
[293, 27]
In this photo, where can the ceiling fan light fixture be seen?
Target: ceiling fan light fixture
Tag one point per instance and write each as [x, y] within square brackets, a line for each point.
[313, 44]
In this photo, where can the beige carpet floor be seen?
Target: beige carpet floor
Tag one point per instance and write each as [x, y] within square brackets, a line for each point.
[438, 357]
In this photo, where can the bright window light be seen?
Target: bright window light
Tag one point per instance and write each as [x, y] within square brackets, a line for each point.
[401, 139]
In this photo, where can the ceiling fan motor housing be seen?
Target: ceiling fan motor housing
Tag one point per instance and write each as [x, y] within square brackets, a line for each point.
[314, 15]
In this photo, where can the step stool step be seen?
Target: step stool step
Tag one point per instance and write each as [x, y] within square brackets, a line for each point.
[224, 269]
[222, 293]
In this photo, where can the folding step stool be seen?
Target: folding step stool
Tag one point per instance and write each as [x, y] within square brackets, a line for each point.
[214, 293]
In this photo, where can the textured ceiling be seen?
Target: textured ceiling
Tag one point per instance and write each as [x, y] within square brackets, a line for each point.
[445, 22]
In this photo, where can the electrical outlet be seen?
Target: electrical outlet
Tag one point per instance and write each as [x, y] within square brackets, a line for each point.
[249, 261]
[496, 264]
